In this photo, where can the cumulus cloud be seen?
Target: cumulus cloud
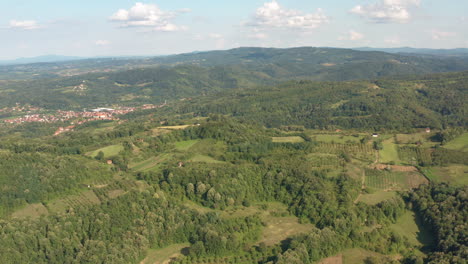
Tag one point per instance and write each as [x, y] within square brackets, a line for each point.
[273, 15]
[438, 35]
[258, 36]
[148, 15]
[387, 11]
[24, 24]
[352, 35]
[102, 42]
[393, 40]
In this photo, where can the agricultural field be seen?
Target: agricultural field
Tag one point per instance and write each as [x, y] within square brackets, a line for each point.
[291, 139]
[362, 152]
[377, 196]
[72, 201]
[393, 180]
[455, 174]
[31, 210]
[151, 163]
[336, 138]
[185, 145]
[280, 228]
[204, 158]
[412, 138]
[108, 151]
[180, 127]
[460, 143]
[414, 155]
[164, 255]
[389, 152]
[358, 256]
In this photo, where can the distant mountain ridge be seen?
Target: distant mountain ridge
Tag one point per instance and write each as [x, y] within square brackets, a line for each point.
[44, 58]
[440, 52]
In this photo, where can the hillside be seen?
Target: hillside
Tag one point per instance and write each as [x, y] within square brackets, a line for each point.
[435, 101]
[322, 64]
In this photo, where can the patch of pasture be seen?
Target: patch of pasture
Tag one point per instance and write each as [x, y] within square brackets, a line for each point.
[389, 152]
[278, 229]
[150, 163]
[411, 227]
[164, 255]
[460, 143]
[185, 145]
[411, 138]
[73, 201]
[376, 197]
[31, 210]
[337, 138]
[290, 139]
[204, 158]
[108, 151]
[359, 255]
[361, 152]
[454, 174]
[180, 127]
[393, 180]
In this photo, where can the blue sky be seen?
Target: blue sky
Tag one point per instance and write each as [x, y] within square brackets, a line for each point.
[153, 27]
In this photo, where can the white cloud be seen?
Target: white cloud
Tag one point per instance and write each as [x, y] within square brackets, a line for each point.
[258, 36]
[387, 11]
[24, 24]
[148, 15]
[392, 40]
[215, 36]
[352, 35]
[273, 15]
[102, 42]
[438, 35]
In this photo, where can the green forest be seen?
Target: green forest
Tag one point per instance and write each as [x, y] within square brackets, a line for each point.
[263, 162]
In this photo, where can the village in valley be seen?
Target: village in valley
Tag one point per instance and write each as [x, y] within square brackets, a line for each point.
[36, 114]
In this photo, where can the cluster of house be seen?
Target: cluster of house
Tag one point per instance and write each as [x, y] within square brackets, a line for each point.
[19, 108]
[78, 117]
[61, 116]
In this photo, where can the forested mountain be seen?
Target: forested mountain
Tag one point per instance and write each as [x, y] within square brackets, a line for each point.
[324, 64]
[431, 101]
[267, 156]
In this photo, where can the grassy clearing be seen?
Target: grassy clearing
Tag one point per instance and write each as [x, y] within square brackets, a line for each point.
[279, 224]
[361, 152]
[31, 210]
[175, 127]
[341, 139]
[459, 143]
[204, 158]
[108, 151]
[185, 145]
[338, 259]
[164, 255]
[73, 201]
[410, 226]
[412, 138]
[280, 228]
[392, 180]
[358, 255]
[389, 152]
[376, 197]
[291, 139]
[150, 163]
[454, 174]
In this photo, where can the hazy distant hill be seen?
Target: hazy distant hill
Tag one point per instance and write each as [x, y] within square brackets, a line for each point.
[44, 58]
[438, 52]
[331, 64]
